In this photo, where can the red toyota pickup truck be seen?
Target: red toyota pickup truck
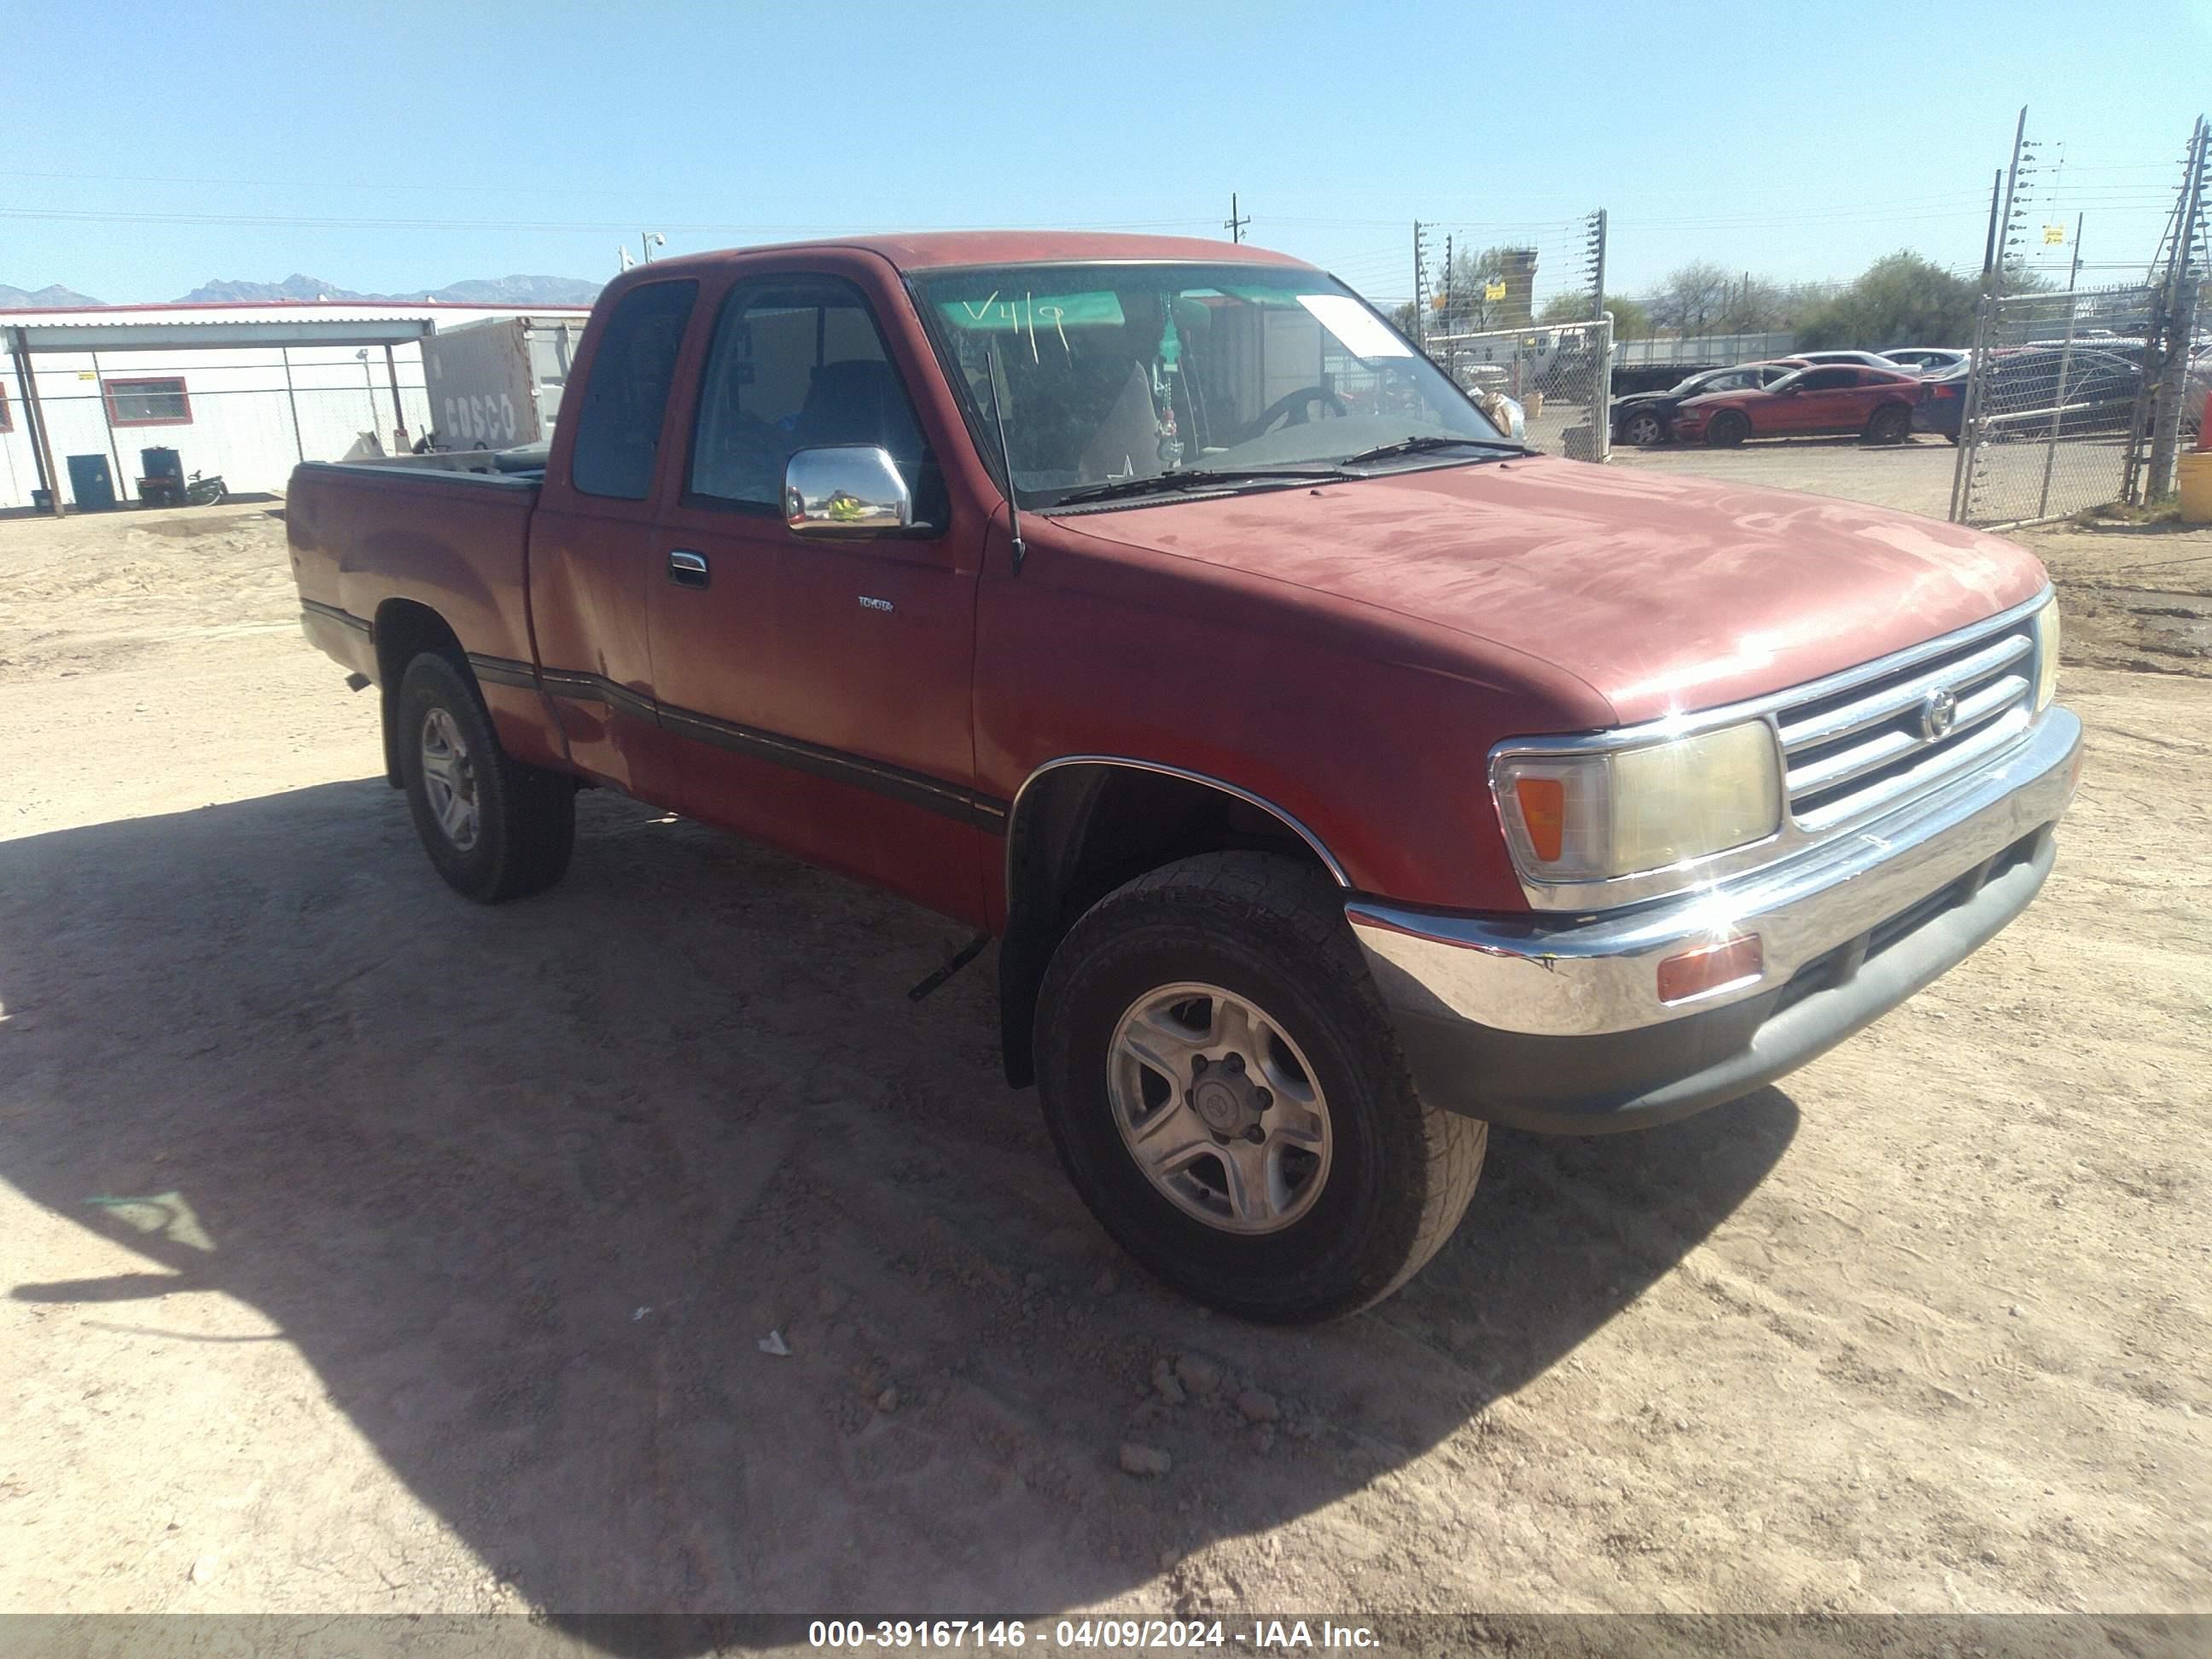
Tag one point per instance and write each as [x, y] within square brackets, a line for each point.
[1338, 776]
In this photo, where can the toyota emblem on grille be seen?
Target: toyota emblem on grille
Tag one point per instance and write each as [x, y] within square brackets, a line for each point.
[1939, 712]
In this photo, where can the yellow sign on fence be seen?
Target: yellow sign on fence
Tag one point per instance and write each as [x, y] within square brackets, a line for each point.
[1493, 290]
[2054, 235]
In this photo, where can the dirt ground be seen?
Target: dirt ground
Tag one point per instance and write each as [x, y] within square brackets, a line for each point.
[1914, 475]
[366, 1250]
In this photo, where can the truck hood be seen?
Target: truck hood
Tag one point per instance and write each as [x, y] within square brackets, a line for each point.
[1661, 594]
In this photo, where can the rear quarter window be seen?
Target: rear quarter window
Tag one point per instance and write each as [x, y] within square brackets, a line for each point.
[625, 400]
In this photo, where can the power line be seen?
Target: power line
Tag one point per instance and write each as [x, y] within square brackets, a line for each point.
[581, 226]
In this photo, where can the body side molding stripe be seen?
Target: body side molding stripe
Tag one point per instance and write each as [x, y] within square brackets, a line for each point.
[334, 613]
[952, 800]
[894, 782]
[503, 671]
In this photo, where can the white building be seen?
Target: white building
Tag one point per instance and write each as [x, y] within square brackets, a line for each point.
[244, 390]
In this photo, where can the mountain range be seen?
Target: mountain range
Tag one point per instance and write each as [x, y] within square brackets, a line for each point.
[52, 297]
[476, 291]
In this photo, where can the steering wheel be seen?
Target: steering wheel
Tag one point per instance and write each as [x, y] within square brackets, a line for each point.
[1291, 410]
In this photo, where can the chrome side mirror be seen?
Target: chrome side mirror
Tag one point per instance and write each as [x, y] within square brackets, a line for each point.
[845, 489]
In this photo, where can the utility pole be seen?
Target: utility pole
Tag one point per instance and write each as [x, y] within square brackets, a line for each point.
[1989, 247]
[2179, 308]
[2012, 186]
[1985, 325]
[1446, 312]
[1235, 224]
[1597, 247]
[1420, 284]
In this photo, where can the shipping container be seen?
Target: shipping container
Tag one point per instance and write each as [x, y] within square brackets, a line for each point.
[497, 384]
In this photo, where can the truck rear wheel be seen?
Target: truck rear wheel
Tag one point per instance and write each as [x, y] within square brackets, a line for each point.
[1227, 1094]
[493, 827]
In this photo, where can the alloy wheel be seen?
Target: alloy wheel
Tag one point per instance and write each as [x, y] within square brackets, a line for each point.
[1219, 1108]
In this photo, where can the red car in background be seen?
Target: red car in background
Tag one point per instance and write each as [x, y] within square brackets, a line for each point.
[1828, 397]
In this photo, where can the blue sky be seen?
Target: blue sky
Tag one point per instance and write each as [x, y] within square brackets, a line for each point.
[390, 145]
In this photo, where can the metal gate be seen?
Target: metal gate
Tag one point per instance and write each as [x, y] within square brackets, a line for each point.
[2058, 404]
[1560, 374]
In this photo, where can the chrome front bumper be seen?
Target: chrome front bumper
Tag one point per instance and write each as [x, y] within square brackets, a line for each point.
[1533, 990]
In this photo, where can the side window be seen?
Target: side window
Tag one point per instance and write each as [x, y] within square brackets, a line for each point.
[1829, 380]
[147, 402]
[618, 428]
[799, 363]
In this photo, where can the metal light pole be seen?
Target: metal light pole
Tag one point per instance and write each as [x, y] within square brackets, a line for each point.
[650, 240]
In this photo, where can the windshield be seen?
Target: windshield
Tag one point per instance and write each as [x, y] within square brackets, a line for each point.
[1121, 372]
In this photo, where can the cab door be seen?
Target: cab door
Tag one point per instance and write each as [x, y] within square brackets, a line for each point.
[819, 689]
[591, 541]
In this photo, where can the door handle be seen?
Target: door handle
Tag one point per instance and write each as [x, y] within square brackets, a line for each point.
[687, 568]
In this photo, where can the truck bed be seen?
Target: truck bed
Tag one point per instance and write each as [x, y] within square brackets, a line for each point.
[385, 552]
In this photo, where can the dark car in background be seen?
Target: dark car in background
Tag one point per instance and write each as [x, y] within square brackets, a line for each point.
[1830, 397]
[2023, 396]
[1648, 417]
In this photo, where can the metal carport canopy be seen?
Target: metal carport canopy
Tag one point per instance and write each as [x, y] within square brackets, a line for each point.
[89, 331]
[181, 335]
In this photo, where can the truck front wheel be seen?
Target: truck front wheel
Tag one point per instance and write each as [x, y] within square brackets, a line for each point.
[493, 827]
[1228, 1096]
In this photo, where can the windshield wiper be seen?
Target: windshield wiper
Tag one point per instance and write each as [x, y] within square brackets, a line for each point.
[1198, 478]
[1424, 446]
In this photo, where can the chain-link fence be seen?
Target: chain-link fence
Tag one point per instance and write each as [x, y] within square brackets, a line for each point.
[1561, 376]
[2058, 399]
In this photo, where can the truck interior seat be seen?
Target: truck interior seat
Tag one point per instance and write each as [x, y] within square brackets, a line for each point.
[859, 401]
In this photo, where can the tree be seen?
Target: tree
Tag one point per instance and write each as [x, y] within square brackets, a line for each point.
[1751, 305]
[1692, 297]
[1900, 300]
[1630, 321]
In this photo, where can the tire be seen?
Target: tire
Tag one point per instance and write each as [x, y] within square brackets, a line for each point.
[521, 823]
[1643, 429]
[1890, 424]
[1393, 1174]
[1728, 429]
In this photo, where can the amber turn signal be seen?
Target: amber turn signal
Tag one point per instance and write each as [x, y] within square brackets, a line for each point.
[1696, 972]
[1544, 811]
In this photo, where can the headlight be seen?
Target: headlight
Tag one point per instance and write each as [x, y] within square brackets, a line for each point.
[1587, 817]
[2046, 655]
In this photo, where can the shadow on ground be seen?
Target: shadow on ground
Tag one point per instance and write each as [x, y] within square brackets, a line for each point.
[526, 1188]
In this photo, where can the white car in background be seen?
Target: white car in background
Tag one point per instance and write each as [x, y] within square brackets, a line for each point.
[1850, 358]
[1926, 360]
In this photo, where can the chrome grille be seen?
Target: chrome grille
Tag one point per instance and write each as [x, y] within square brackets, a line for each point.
[1855, 750]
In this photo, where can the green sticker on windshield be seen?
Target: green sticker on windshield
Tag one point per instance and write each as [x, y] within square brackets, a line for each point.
[1019, 309]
